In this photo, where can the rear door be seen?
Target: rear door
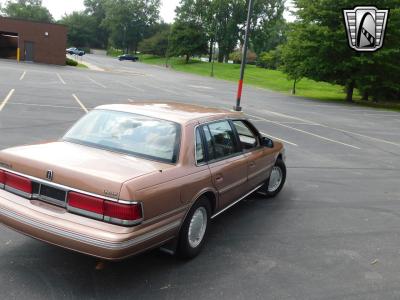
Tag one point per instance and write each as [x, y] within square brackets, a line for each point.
[227, 163]
[259, 159]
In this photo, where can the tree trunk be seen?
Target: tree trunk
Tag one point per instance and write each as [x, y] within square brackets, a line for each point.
[220, 56]
[349, 90]
[365, 96]
[210, 55]
[294, 86]
[226, 59]
[187, 58]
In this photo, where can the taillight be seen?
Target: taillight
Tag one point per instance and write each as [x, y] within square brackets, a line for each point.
[17, 184]
[122, 213]
[113, 212]
[2, 178]
[86, 203]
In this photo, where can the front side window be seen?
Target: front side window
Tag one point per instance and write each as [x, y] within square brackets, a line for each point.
[128, 133]
[223, 139]
[248, 139]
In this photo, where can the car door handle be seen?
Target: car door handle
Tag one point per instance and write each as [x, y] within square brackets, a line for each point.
[219, 178]
[252, 164]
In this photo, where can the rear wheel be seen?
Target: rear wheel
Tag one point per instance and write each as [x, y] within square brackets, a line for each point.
[194, 229]
[276, 180]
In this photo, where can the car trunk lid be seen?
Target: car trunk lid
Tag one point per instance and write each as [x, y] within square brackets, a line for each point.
[77, 166]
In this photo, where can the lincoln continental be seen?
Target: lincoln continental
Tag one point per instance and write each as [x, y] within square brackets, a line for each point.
[131, 177]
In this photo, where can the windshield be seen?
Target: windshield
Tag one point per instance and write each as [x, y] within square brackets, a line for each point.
[128, 133]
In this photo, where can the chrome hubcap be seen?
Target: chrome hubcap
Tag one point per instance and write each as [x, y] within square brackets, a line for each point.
[197, 227]
[275, 179]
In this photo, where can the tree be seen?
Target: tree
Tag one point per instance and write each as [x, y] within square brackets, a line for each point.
[294, 64]
[228, 16]
[200, 13]
[27, 10]
[81, 29]
[97, 10]
[268, 25]
[129, 20]
[380, 72]
[270, 59]
[187, 39]
[156, 44]
[317, 46]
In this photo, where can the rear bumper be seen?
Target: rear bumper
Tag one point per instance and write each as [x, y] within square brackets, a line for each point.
[56, 226]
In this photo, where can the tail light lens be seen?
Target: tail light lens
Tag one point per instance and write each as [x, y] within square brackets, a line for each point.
[16, 184]
[86, 203]
[2, 178]
[112, 212]
[122, 213]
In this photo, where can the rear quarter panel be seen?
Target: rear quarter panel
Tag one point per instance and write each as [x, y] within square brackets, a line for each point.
[172, 191]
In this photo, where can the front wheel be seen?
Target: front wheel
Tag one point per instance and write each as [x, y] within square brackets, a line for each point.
[194, 229]
[276, 180]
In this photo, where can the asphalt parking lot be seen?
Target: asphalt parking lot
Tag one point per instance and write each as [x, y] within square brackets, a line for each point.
[332, 233]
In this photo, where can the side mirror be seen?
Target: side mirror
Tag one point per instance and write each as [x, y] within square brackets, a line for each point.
[267, 142]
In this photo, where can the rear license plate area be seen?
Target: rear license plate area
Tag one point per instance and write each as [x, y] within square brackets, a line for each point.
[52, 195]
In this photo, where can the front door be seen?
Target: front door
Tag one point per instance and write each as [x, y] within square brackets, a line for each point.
[29, 48]
[260, 159]
[227, 163]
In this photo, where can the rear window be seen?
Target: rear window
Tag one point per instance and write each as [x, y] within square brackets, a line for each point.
[128, 133]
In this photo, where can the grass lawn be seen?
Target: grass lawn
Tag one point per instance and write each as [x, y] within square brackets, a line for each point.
[268, 79]
[82, 66]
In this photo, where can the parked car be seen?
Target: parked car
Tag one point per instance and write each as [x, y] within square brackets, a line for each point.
[128, 57]
[131, 177]
[75, 51]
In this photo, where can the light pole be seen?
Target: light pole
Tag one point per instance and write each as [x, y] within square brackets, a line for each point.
[212, 59]
[244, 57]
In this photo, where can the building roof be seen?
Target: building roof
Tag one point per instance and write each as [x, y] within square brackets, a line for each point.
[172, 111]
[31, 21]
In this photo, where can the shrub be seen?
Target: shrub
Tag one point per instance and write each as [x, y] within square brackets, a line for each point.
[270, 60]
[71, 62]
[156, 45]
[114, 52]
[237, 57]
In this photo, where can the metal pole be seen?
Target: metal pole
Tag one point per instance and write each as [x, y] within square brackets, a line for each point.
[212, 60]
[244, 57]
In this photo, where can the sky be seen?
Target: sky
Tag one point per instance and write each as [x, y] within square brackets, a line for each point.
[60, 7]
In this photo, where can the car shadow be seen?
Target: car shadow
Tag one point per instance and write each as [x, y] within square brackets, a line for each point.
[51, 272]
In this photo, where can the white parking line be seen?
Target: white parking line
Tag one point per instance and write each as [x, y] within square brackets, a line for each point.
[169, 91]
[132, 86]
[364, 136]
[97, 83]
[80, 103]
[201, 87]
[334, 128]
[43, 105]
[279, 139]
[6, 99]
[307, 132]
[290, 117]
[22, 76]
[61, 79]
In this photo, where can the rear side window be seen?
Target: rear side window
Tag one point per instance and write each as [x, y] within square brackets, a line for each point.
[223, 139]
[209, 143]
[199, 148]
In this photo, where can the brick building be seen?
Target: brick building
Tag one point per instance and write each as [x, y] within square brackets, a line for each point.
[36, 41]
